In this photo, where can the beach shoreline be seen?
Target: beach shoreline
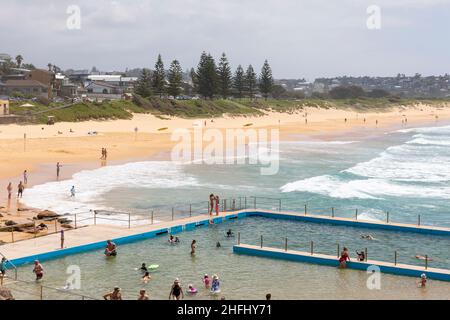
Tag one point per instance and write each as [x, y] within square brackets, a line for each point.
[81, 152]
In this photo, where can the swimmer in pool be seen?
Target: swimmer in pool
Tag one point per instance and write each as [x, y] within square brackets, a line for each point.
[146, 278]
[111, 249]
[191, 289]
[177, 240]
[218, 245]
[367, 236]
[171, 239]
[193, 247]
[143, 268]
[230, 233]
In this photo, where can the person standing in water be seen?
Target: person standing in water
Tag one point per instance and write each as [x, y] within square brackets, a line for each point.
[176, 291]
[143, 295]
[58, 168]
[193, 247]
[3, 267]
[344, 257]
[20, 189]
[9, 189]
[25, 177]
[115, 295]
[72, 192]
[38, 270]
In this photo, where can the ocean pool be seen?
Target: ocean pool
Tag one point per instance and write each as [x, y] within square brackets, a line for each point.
[245, 277]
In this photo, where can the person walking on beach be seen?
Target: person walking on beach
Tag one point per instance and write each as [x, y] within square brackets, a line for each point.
[20, 189]
[58, 167]
[106, 154]
[25, 177]
[62, 239]
[9, 189]
[115, 295]
[344, 257]
[72, 192]
[38, 270]
[193, 247]
[176, 291]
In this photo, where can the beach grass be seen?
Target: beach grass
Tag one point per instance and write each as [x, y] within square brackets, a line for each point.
[124, 109]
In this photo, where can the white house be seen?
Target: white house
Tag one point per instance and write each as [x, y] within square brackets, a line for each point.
[102, 88]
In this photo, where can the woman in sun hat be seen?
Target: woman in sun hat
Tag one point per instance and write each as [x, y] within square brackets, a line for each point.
[423, 280]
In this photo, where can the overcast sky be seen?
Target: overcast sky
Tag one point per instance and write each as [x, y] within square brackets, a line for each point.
[300, 38]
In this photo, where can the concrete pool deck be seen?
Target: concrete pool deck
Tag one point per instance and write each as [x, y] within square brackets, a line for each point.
[93, 237]
[322, 259]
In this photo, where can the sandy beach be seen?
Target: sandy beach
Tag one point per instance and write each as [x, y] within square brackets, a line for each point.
[72, 146]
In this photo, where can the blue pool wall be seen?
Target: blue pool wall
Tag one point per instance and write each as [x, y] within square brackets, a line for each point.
[191, 226]
[333, 262]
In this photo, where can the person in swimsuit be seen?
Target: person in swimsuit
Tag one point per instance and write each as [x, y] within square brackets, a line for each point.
[111, 249]
[206, 280]
[3, 267]
[230, 233]
[423, 280]
[215, 285]
[62, 239]
[171, 239]
[217, 205]
[20, 189]
[115, 295]
[38, 270]
[9, 189]
[58, 168]
[193, 247]
[268, 296]
[344, 257]
[146, 278]
[211, 203]
[143, 295]
[143, 268]
[361, 255]
[25, 177]
[176, 292]
[177, 240]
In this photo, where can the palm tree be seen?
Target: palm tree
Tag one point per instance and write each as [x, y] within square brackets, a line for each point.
[19, 60]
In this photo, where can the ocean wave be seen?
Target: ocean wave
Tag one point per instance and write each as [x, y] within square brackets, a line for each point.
[90, 185]
[364, 189]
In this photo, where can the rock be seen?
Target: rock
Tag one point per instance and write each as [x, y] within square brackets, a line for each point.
[10, 223]
[47, 214]
[23, 209]
[64, 220]
[1, 216]
[5, 294]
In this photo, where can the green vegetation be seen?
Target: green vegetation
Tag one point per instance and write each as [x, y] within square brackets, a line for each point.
[162, 108]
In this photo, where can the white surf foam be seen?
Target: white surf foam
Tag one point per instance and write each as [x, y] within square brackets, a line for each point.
[90, 185]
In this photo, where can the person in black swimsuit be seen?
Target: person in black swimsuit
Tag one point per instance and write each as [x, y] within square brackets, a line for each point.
[176, 292]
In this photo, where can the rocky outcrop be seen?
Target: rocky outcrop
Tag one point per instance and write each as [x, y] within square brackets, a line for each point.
[47, 214]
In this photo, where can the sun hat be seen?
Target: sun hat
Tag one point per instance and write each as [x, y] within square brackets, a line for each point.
[423, 275]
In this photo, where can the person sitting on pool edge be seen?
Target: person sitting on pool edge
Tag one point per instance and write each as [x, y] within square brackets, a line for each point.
[361, 255]
[111, 249]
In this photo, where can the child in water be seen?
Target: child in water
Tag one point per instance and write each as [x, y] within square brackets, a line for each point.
[206, 280]
[215, 286]
[423, 280]
[191, 289]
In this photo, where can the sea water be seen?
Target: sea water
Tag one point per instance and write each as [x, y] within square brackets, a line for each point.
[404, 172]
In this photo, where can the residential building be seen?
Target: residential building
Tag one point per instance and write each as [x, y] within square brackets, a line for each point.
[26, 87]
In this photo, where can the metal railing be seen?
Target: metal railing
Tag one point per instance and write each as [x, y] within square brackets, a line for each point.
[31, 290]
[311, 249]
[14, 233]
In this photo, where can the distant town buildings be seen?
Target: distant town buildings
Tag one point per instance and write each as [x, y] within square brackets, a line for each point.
[400, 85]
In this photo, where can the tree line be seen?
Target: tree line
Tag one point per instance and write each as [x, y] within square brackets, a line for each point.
[209, 79]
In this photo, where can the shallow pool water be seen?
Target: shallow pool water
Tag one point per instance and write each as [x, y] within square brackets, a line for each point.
[252, 277]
